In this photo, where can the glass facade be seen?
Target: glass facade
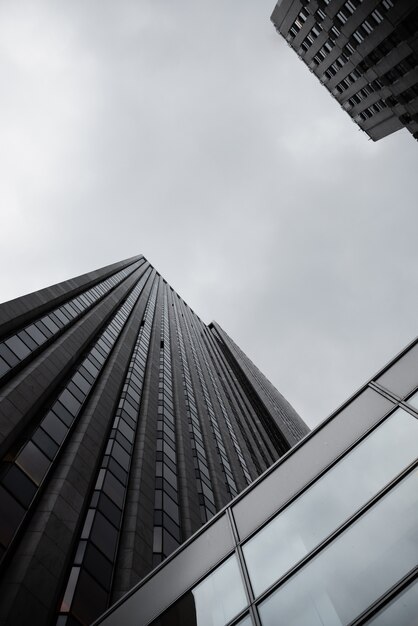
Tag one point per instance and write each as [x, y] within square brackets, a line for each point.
[358, 567]
[336, 496]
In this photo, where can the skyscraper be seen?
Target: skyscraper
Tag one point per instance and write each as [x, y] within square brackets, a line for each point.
[364, 52]
[125, 424]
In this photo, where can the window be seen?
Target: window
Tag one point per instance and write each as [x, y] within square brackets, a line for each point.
[19, 485]
[12, 515]
[33, 462]
[331, 500]
[89, 599]
[213, 602]
[356, 568]
[20, 349]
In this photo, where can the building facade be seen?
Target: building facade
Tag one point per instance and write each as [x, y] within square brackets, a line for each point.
[365, 52]
[126, 423]
[328, 536]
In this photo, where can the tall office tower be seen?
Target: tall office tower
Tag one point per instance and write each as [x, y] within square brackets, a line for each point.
[125, 424]
[364, 51]
[328, 536]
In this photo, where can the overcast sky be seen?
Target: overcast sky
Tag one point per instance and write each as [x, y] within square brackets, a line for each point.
[188, 131]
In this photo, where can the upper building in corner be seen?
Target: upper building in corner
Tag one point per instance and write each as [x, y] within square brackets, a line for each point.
[126, 423]
[366, 54]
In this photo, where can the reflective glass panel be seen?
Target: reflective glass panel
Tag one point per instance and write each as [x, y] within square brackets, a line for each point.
[213, 602]
[355, 569]
[332, 499]
[402, 611]
[33, 462]
[220, 596]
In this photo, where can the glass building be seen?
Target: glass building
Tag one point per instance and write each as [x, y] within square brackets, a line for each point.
[126, 423]
[328, 536]
[365, 52]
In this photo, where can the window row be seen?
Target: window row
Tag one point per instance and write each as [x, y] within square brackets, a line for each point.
[220, 446]
[95, 557]
[232, 397]
[24, 477]
[206, 495]
[167, 526]
[19, 346]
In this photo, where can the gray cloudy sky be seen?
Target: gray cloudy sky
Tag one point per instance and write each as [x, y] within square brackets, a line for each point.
[187, 130]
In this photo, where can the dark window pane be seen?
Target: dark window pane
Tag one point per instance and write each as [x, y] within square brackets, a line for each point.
[117, 470]
[171, 508]
[54, 427]
[114, 489]
[98, 565]
[69, 310]
[11, 516]
[70, 402]
[20, 349]
[36, 334]
[33, 462]
[76, 392]
[170, 477]
[171, 526]
[50, 324]
[64, 415]
[81, 383]
[45, 443]
[123, 441]
[120, 455]
[126, 430]
[4, 367]
[86, 374]
[19, 485]
[61, 316]
[91, 367]
[8, 355]
[98, 356]
[109, 509]
[90, 600]
[104, 535]
[169, 543]
[23, 335]
[43, 329]
[130, 410]
[56, 319]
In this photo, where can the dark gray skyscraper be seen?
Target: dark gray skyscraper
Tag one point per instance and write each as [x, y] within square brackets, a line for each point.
[364, 51]
[125, 424]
